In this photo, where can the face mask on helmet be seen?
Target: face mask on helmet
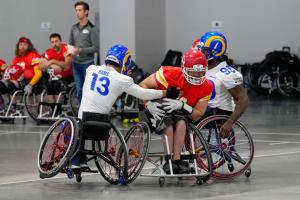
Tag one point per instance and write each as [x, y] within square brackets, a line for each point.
[194, 67]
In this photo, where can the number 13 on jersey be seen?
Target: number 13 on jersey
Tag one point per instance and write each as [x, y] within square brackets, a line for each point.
[100, 84]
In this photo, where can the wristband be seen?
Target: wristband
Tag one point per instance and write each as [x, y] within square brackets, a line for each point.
[186, 107]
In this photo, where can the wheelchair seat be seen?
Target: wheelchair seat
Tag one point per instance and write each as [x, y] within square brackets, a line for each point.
[95, 126]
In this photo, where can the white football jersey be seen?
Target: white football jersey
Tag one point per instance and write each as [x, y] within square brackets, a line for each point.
[101, 88]
[223, 77]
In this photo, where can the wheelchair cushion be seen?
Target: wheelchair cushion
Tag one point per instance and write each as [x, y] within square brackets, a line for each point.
[95, 126]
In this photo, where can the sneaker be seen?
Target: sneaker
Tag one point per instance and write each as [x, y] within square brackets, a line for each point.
[183, 167]
[75, 163]
[166, 168]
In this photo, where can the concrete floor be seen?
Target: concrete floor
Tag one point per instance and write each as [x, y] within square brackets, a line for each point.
[273, 123]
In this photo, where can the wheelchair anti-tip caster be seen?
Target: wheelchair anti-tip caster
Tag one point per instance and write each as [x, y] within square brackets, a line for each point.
[161, 181]
[42, 177]
[248, 172]
[199, 181]
[230, 167]
[78, 178]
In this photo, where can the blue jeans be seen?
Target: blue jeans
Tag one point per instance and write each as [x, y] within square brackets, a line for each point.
[79, 71]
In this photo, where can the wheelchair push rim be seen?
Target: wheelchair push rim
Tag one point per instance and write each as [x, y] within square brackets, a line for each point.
[231, 155]
[137, 140]
[112, 161]
[57, 147]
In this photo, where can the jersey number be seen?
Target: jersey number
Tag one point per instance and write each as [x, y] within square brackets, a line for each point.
[227, 70]
[104, 84]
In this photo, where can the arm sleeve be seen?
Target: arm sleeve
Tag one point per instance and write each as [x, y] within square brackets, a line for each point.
[135, 90]
[37, 75]
[144, 94]
[95, 42]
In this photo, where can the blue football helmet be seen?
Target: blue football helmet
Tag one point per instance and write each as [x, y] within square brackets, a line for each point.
[120, 55]
[213, 44]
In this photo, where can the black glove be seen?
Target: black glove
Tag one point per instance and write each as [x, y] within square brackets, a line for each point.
[172, 93]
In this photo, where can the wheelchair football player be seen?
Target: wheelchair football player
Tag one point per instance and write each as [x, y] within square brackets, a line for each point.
[64, 140]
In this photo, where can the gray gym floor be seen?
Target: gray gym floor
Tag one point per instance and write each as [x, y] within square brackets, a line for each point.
[273, 123]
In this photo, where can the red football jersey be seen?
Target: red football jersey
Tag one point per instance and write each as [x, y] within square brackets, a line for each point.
[2, 62]
[60, 56]
[168, 76]
[27, 62]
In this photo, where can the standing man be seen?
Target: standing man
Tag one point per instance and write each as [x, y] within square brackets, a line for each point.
[85, 39]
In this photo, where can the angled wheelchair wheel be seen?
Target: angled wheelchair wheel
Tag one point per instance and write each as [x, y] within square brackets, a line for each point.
[57, 147]
[32, 103]
[196, 144]
[232, 155]
[288, 83]
[137, 141]
[112, 158]
[73, 101]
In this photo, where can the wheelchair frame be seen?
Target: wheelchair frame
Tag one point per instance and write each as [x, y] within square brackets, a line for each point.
[189, 154]
[9, 116]
[74, 148]
[41, 114]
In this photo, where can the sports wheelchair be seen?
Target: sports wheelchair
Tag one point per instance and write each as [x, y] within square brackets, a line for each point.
[10, 112]
[232, 155]
[64, 140]
[195, 152]
[40, 111]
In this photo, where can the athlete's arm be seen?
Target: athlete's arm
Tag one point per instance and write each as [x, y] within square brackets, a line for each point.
[66, 64]
[149, 82]
[199, 110]
[240, 97]
[37, 75]
[145, 94]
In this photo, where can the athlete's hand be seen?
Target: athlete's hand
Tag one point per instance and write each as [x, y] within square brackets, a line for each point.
[156, 112]
[28, 89]
[172, 104]
[226, 128]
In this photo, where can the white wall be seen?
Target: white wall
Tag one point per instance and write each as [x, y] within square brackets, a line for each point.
[252, 28]
[150, 33]
[117, 24]
[22, 18]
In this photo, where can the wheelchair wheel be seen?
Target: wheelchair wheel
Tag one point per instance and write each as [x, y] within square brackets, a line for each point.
[202, 152]
[287, 83]
[112, 160]
[57, 147]
[232, 155]
[73, 101]
[32, 103]
[137, 141]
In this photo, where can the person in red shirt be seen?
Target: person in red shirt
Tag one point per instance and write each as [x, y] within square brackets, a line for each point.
[23, 71]
[57, 62]
[3, 67]
[195, 92]
[28, 59]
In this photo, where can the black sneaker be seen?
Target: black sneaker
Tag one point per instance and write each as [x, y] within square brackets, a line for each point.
[183, 167]
[166, 168]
